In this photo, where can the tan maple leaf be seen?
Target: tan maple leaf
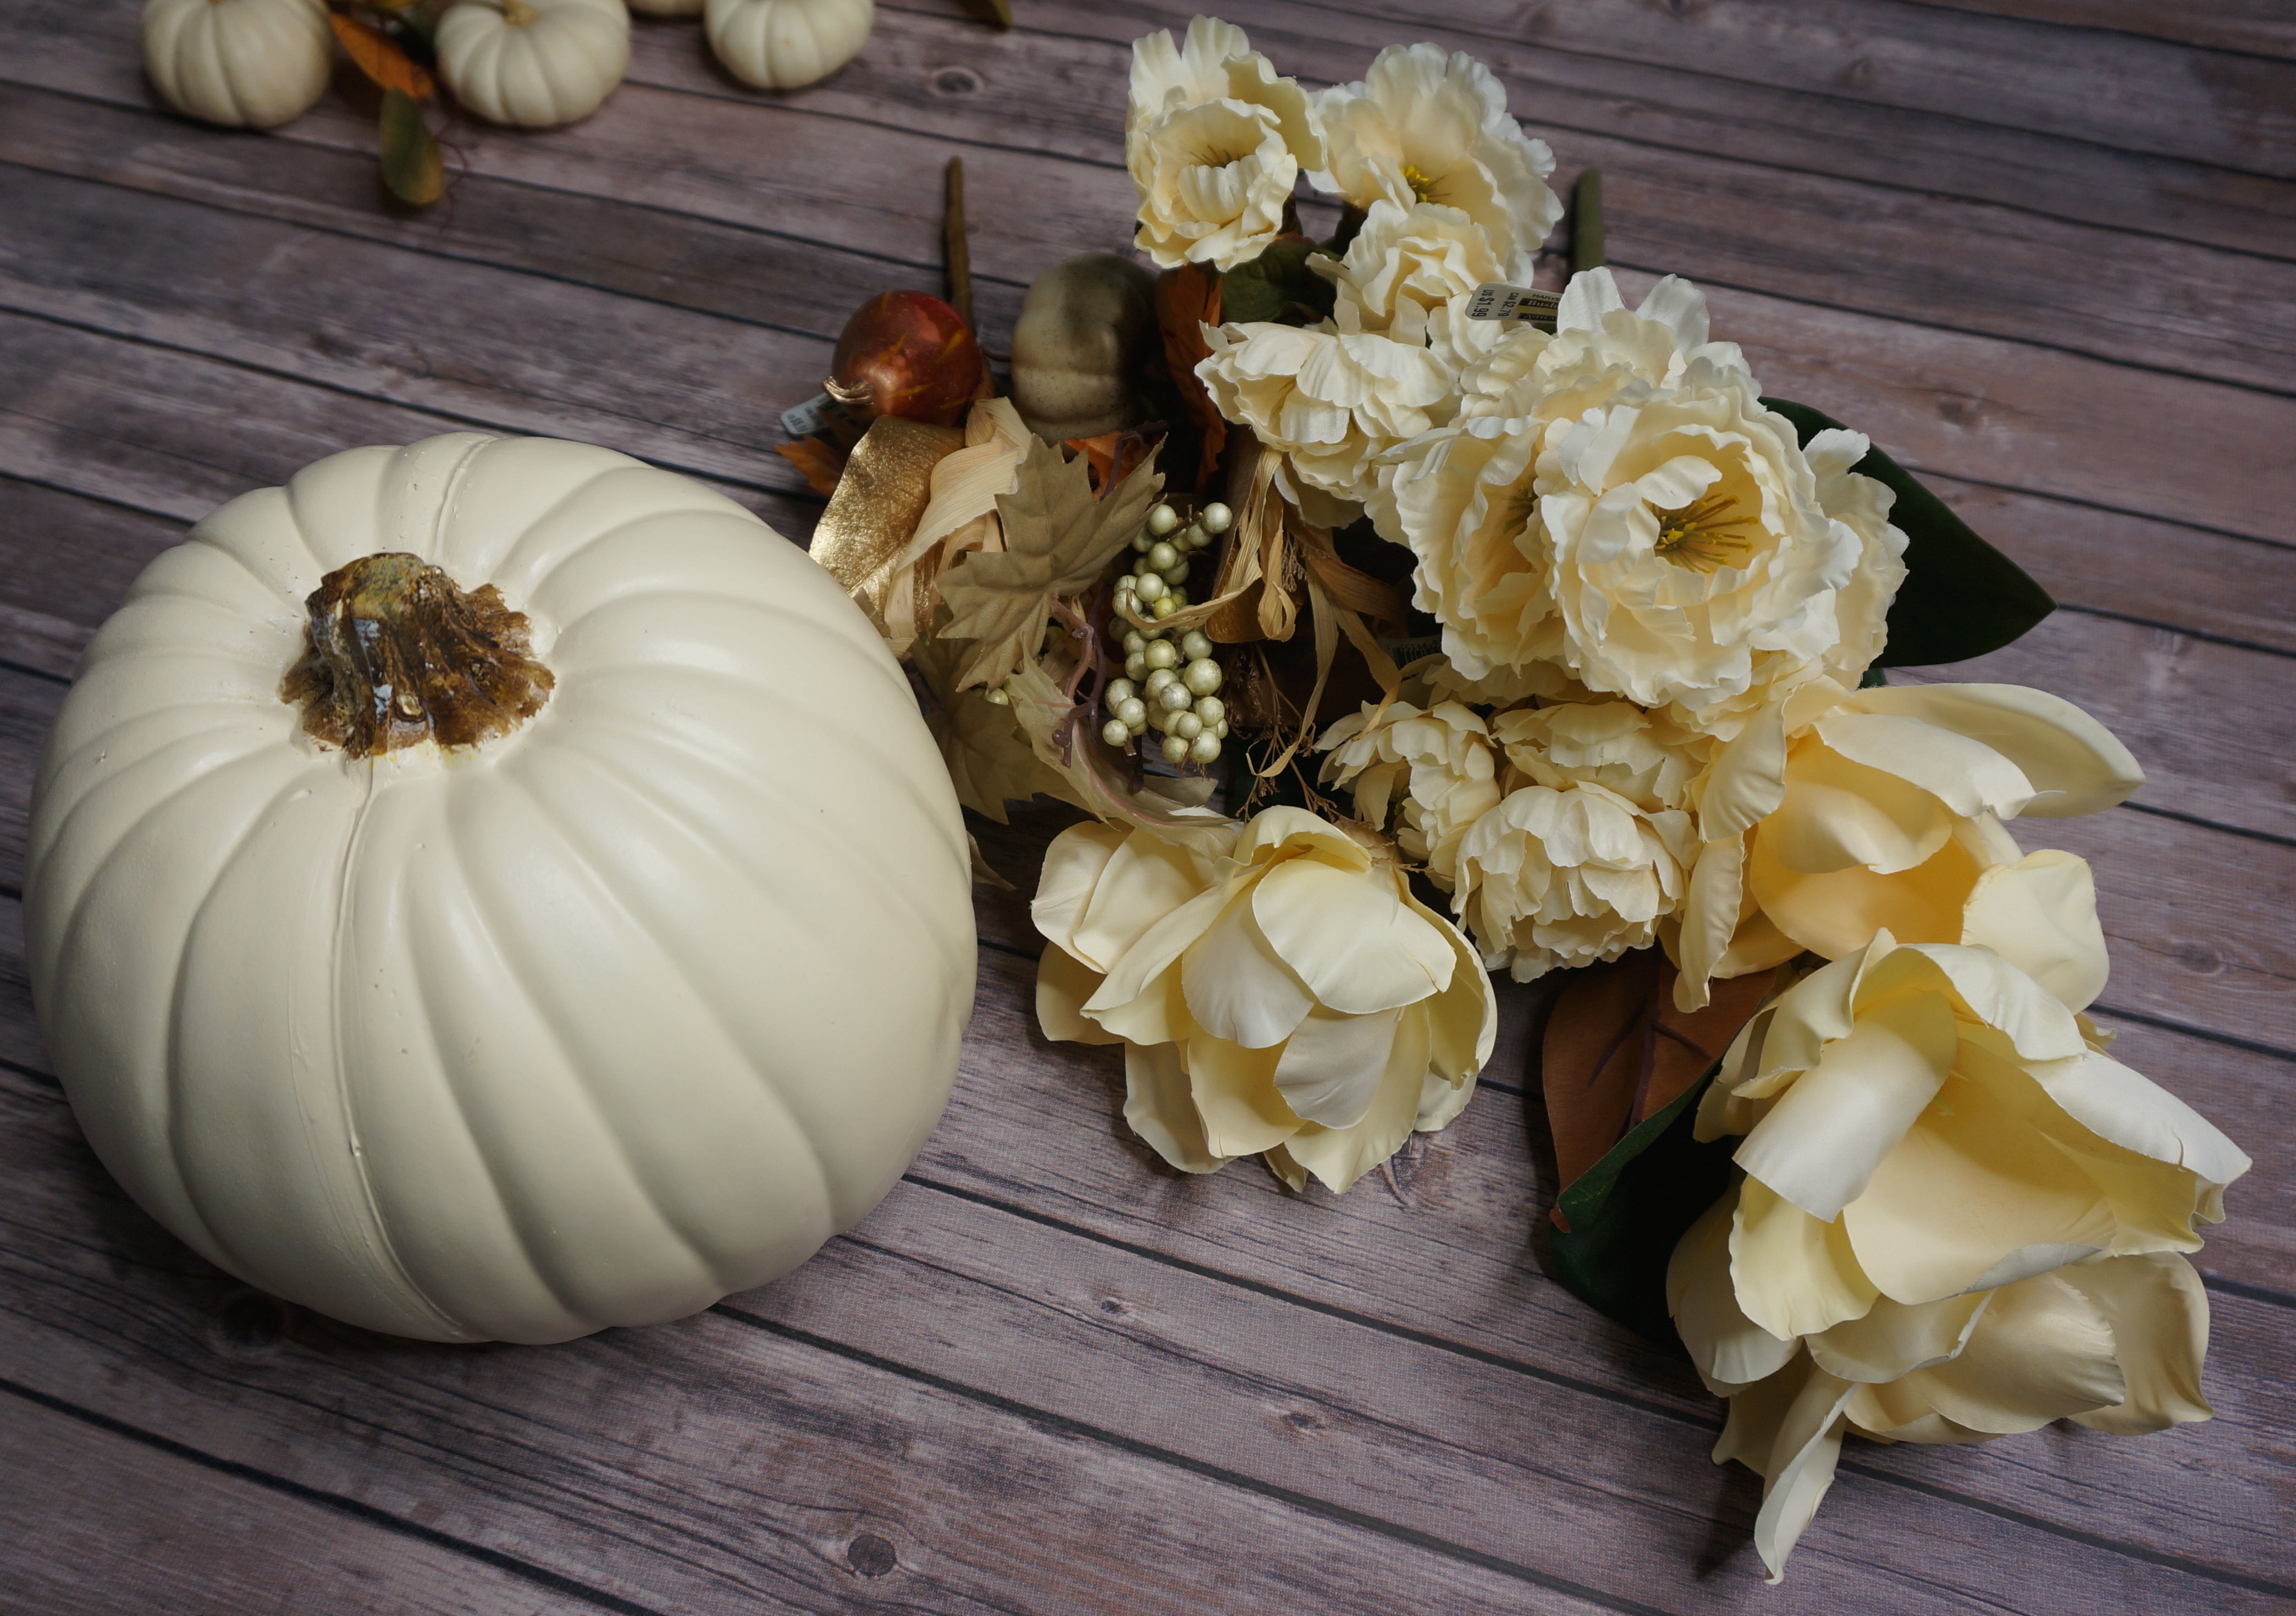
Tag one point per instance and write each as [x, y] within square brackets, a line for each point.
[1058, 540]
[989, 760]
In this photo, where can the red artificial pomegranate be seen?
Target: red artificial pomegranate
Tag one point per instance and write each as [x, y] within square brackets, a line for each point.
[908, 355]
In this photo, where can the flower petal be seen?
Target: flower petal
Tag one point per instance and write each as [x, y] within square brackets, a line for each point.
[1893, 1339]
[1729, 1349]
[1338, 1156]
[1747, 780]
[1968, 777]
[1331, 1067]
[2042, 1350]
[1073, 863]
[1238, 988]
[1789, 1429]
[1839, 814]
[1794, 1275]
[1144, 880]
[1063, 983]
[1158, 1108]
[1347, 935]
[1969, 1185]
[2039, 915]
[1236, 1095]
[2159, 1319]
[1829, 1131]
[2131, 1110]
[2073, 761]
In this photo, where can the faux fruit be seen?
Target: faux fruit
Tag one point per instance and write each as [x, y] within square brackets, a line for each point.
[905, 353]
[1083, 347]
[252, 62]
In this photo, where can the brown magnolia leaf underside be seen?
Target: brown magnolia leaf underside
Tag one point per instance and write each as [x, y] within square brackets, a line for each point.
[1616, 1051]
[1058, 540]
[1188, 299]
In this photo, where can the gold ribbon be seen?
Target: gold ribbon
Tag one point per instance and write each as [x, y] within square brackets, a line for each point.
[887, 484]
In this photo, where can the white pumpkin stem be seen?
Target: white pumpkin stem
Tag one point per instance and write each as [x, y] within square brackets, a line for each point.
[518, 13]
[395, 654]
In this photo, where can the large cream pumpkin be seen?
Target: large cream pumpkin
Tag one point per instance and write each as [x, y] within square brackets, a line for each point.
[631, 998]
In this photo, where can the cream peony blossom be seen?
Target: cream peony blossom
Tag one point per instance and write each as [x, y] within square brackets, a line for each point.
[1329, 402]
[1441, 756]
[1959, 1218]
[1215, 143]
[1618, 500]
[1422, 127]
[1287, 997]
[1837, 813]
[1644, 756]
[1553, 878]
[1382, 369]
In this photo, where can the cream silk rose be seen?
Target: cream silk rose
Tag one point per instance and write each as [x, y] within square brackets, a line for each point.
[1286, 996]
[1837, 813]
[1959, 1218]
[1422, 127]
[1618, 500]
[1215, 143]
[1442, 760]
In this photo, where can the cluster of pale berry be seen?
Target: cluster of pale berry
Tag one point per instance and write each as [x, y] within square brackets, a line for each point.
[1169, 686]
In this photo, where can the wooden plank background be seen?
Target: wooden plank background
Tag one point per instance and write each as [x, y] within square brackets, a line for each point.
[2039, 248]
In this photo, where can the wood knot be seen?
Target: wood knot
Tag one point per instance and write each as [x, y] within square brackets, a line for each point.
[871, 1555]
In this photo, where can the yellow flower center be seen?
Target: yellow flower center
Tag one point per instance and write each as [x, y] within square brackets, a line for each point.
[1421, 187]
[1702, 537]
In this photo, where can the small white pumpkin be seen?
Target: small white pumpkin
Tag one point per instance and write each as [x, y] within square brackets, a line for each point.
[251, 63]
[780, 45]
[536, 63]
[589, 1023]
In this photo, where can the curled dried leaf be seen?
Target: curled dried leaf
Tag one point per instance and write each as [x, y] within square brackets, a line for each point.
[379, 57]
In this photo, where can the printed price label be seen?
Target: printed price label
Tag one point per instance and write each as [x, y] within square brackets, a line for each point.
[1494, 300]
[804, 419]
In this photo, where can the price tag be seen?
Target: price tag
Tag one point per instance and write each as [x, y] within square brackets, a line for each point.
[1495, 300]
[804, 419]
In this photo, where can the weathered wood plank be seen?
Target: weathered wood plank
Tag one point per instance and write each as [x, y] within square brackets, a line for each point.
[2262, 27]
[99, 1523]
[1894, 250]
[1254, 1385]
[2102, 559]
[75, 557]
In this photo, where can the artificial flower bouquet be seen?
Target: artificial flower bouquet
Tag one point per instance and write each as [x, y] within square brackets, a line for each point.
[1397, 624]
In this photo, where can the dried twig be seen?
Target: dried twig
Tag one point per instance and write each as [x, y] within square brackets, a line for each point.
[956, 256]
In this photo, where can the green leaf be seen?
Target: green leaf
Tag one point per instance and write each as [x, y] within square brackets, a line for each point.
[1628, 1210]
[411, 164]
[1961, 597]
[1276, 285]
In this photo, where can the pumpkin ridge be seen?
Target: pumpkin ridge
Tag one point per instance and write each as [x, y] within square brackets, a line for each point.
[572, 1058]
[767, 1082]
[338, 956]
[421, 985]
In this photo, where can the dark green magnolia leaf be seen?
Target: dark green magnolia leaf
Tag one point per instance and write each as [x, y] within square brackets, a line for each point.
[1962, 597]
[411, 164]
[1276, 285]
[1628, 1212]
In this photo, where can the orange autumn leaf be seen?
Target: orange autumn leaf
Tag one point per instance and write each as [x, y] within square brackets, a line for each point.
[1616, 1051]
[380, 59]
[1188, 299]
[822, 464]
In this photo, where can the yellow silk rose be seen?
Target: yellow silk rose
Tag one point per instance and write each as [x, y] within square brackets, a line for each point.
[1959, 1218]
[1838, 813]
[1286, 996]
[1215, 143]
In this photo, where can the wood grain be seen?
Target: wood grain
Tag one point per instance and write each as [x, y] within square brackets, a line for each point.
[2037, 248]
[103, 1523]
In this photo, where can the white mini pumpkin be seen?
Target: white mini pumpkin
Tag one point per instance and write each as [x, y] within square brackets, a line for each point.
[536, 63]
[781, 45]
[591, 1023]
[252, 62]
